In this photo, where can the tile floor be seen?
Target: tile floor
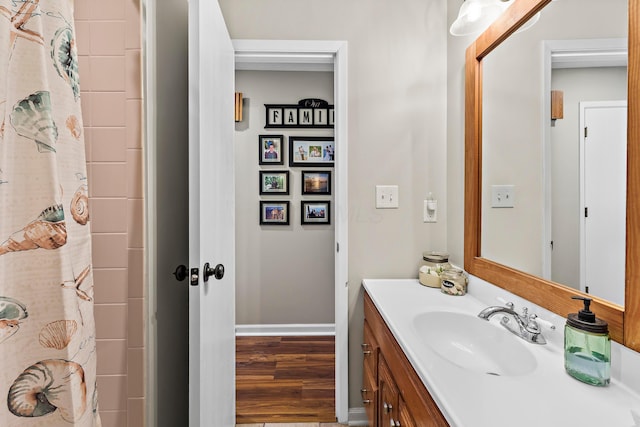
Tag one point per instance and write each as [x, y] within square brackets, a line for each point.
[292, 425]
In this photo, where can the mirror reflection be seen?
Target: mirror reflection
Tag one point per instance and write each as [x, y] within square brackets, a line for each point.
[538, 177]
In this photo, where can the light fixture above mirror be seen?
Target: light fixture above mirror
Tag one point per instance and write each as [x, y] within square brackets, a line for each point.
[476, 15]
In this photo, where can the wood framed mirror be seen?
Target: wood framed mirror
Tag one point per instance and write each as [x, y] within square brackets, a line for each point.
[624, 322]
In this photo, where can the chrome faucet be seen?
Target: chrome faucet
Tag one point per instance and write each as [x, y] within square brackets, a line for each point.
[525, 325]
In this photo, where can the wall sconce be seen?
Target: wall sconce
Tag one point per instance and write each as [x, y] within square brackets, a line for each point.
[557, 104]
[238, 105]
[476, 15]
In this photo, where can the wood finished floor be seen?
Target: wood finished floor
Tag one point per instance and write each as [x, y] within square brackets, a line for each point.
[285, 380]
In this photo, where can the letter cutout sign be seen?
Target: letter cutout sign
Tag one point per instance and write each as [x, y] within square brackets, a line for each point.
[308, 113]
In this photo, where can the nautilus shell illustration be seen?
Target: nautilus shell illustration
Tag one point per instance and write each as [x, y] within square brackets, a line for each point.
[58, 334]
[32, 119]
[65, 58]
[11, 313]
[48, 231]
[49, 386]
[80, 205]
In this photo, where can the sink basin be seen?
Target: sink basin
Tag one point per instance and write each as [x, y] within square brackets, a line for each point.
[474, 344]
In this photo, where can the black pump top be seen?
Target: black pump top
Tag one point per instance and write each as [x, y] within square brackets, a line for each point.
[586, 319]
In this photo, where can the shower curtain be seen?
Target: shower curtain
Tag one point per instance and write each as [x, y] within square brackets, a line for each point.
[47, 331]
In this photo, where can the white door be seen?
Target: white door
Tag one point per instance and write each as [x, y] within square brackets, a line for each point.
[211, 218]
[603, 202]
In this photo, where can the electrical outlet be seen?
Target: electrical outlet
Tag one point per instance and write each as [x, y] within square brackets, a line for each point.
[503, 196]
[387, 197]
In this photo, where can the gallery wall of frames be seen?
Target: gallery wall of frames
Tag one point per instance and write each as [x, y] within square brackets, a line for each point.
[309, 159]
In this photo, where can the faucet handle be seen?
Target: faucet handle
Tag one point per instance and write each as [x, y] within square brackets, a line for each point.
[534, 318]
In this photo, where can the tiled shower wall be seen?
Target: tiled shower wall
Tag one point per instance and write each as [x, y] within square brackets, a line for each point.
[109, 48]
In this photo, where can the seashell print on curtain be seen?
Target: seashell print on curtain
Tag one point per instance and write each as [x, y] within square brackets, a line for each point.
[47, 330]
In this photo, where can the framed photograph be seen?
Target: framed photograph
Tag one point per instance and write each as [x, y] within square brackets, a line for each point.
[316, 182]
[274, 182]
[274, 213]
[270, 149]
[311, 151]
[316, 212]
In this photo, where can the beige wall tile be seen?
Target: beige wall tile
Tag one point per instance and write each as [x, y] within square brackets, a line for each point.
[110, 286]
[83, 37]
[134, 173]
[111, 10]
[113, 418]
[135, 226]
[111, 321]
[133, 76]
[136, 277]
[112, 357]
[108, 109]
[136, 411]
[109, 144]
[112, 393]
[134, 123]
[132, 20]
[107, 38]
[109, 250]
[135, 372]
[108, 215]
[136, 322]
[110, 180]
[84, 68]
[107, 73]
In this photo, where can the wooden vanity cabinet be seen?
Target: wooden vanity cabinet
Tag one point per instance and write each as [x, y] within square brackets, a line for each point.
[402, 400]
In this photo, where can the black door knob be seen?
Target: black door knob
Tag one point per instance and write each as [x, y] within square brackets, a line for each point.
[217, 271]
[181, 272]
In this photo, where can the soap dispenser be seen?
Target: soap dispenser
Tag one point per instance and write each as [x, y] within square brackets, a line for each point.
[587, 346]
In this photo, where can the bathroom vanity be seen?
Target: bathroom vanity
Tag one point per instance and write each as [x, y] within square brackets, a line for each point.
[430, 361]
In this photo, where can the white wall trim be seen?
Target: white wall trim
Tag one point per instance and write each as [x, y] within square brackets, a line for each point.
[150, 206]
[315, 329]
[257, 53]
[358, 417]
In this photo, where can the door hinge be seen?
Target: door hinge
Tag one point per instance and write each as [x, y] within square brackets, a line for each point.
[585, 131]
[552, 245]
[586, 212]
[337, 247]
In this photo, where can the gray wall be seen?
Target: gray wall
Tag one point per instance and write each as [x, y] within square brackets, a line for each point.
[397, 113]
[284, 274]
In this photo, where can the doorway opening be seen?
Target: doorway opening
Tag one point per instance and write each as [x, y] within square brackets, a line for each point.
[303, 60]
[584, 70]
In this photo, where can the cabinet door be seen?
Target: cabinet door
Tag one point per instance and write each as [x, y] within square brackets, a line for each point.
[388, 395]
[404, 416]
[369, 394]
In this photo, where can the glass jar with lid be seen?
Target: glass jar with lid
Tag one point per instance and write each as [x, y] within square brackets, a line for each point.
[431, 267]
[454, 281]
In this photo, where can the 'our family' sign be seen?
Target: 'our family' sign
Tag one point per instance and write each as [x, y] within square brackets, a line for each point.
[307, 113]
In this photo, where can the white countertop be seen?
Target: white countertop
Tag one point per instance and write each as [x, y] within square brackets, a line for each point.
[546, 397]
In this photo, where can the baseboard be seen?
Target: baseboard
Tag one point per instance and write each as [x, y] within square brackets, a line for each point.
[315, 329]
[358, 417]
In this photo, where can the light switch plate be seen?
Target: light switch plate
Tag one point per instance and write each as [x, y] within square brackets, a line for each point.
[387, 197]
[503, 196]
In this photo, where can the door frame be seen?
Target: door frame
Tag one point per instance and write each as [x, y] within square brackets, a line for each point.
[319, 55]
[578, 53]
[290, 55]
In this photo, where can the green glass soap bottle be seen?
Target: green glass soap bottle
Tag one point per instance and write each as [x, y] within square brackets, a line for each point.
[587, 346]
